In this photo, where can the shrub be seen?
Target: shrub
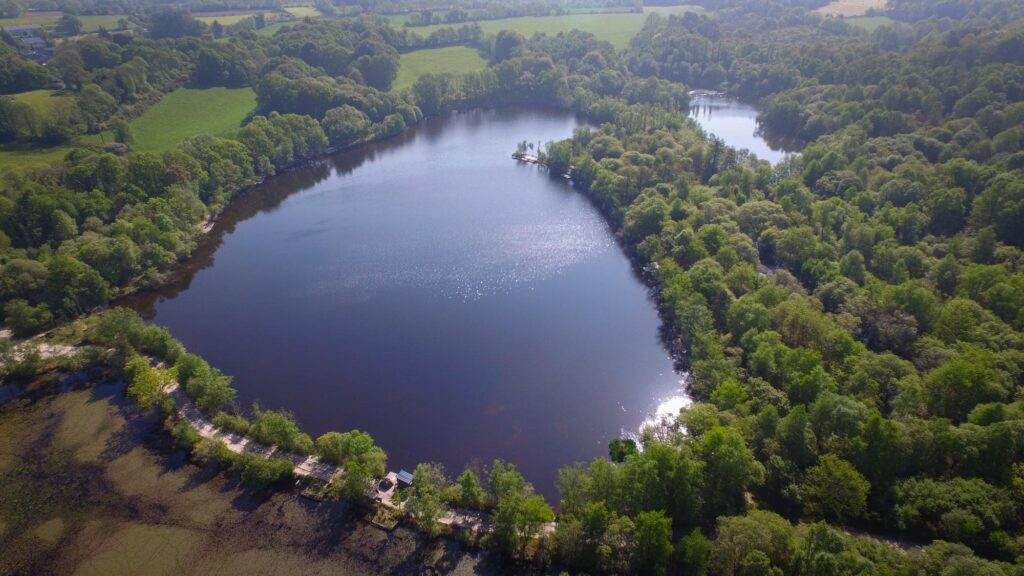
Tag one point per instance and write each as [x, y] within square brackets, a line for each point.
[279, 429]
[260, 474]
[185, 437]
[231, 422]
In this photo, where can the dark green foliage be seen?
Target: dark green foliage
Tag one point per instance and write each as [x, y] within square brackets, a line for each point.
[258, 473]
[185, 437]
[834, 489]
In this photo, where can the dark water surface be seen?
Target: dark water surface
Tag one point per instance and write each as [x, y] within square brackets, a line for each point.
[454, 303]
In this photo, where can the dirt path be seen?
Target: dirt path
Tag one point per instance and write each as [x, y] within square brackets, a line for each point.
[310, 466]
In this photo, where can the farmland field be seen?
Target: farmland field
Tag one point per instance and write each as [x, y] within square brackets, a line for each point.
[665, 10]
[49, 19]
[455, 59]
[617, 28]
[224, 18]
[303, 11]
[21, 156]
[27, 156]
[42, 101]
[851, 7]
[188, 112]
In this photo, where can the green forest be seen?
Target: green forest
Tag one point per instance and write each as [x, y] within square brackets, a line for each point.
[852, 318]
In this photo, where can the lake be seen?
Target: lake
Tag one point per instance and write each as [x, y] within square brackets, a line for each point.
[456, 304]
[735, 122]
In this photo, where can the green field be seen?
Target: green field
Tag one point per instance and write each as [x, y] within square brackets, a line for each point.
[24, 156]
[21, 156]
[869, 23]
[617, 28]
[188, 112]
[226, 19]
[49, 19]
[682, 8]
[43, 101]
[455, 59]
[303, 11]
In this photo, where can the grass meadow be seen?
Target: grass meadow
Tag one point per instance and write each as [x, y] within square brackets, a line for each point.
[49, 19]
[188, 112]
[617, 27]
[455, 59]
[851, 7]
[27, 156]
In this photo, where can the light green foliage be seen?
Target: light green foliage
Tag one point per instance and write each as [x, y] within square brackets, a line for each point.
[281, 140]
[730, 469]
[231, 423]
[210, 389]
[519, 513]
[740, 537]
[424, 499]
[279, 429]
[653, 542]
[145, 383]
[350, 448]
[345, 125]
[471, 494]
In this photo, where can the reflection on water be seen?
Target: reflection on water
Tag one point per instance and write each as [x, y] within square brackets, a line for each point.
[736, 124]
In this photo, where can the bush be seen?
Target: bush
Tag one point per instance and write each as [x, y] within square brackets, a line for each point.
[124, 330]
[279, 429]
[231, 422]
[26, 320]
[260, 474]
[185, 437]
[145, 383]
[216, 451]
[349, 448]
[210, 389]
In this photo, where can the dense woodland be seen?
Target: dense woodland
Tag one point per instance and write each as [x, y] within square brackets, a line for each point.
[852, 318]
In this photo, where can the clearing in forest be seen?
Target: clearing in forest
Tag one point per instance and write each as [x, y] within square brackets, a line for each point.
[191, 111]
[851, 7]
[21, 156]
[617, 28]
[454, 59]
[49, 19]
